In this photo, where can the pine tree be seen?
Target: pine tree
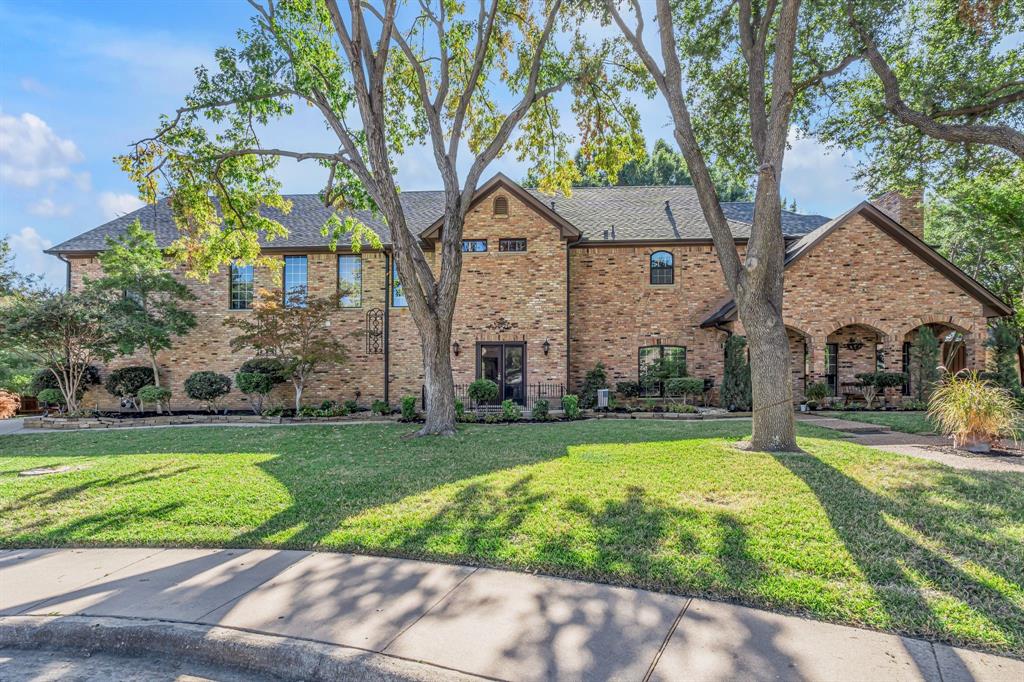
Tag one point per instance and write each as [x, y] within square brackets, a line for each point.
[736, 393]
[924, 363]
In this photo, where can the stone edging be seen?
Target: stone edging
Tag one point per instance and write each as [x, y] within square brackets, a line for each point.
[262, 654]
[62, 423]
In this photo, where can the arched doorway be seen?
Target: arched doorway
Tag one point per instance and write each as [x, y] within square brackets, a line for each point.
[953, 343]
[851, 350]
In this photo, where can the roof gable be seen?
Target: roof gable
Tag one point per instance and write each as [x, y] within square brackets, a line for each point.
[993, 305]
[501, 181]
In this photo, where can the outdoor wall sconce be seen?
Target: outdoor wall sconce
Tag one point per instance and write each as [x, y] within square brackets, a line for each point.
[546, 346]
[853, 344]
[455, 348]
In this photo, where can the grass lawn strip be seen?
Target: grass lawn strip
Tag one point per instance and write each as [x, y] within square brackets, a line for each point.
[846, 533]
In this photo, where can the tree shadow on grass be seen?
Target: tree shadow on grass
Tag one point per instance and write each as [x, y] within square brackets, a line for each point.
[916, 551]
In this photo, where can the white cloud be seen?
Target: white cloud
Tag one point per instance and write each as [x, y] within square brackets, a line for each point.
[27, 246]
[31, 153]
[29, 84]
[820, 179]
[48, 208]
[114, 205]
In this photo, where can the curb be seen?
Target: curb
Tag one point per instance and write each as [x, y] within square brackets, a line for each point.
[270, 655]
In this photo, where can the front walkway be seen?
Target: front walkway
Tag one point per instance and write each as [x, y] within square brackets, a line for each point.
[922, 446]
[449, 619]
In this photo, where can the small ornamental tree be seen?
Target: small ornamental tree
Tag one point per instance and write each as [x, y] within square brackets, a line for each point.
[208, 388]
[256, 387]
[144, 300]
[65, 332]
[875, 383]
[736, 391]
[595, 380]
[295, 333]
[1005, 341]
[925, 367]
[158, 395]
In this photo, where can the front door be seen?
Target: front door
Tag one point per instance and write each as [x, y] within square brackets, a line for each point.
[505, 365]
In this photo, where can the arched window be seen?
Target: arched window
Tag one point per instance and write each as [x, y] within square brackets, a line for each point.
[500, 206]
[662, 271]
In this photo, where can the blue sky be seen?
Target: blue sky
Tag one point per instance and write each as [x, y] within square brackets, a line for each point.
[80, 80]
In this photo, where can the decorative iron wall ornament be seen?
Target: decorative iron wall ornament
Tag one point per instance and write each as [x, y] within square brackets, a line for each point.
[501, 325]
[375, 331]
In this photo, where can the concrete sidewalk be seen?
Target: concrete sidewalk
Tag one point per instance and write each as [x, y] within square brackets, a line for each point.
[920, 445]
[455, 619]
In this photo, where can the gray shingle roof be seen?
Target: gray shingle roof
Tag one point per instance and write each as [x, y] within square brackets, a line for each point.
[633, 213]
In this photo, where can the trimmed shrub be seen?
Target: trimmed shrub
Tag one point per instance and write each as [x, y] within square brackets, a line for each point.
[157, 395]
[540, 410]
[380, 407]
[9, 404]
[595, 380]
[51, 396]
[975, 412]
[44, 379]
[510, 411]
[628, 389]
[483, 391]
[208, 388]
[460, 410]
[571, 406]
[874, 383]
[351, 406]
[682, 408]
[255, 386]
[685, 387]
[269, 367]
[126, 382]
[409, 408]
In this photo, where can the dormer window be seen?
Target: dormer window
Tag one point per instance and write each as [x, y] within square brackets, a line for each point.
[501, 207]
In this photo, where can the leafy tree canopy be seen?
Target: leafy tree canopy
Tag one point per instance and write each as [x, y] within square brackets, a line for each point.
[664, 165]
[957, 71]
[978, 223]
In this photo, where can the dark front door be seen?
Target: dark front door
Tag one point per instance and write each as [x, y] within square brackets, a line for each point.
[505, 365]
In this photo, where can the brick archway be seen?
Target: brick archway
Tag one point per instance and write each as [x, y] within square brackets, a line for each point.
[885, 332]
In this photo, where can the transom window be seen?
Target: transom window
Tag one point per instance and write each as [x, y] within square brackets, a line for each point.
[512, 245]
[500, 206]
[658, 364]
[662, 270]
[350, 281]
[241, 287]
[296, 281]
[474, 245]
[397, 294]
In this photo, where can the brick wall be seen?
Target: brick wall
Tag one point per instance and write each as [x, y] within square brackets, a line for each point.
[856, 276]
[208, 346]
[517, 297]
[615, 309]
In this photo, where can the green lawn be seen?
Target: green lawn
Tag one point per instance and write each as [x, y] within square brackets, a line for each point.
[844, 533]
[907, 422]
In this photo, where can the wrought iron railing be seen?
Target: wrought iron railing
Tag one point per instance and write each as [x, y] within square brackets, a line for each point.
[527, 398]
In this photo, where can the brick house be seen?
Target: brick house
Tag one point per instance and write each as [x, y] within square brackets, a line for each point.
[620, 275]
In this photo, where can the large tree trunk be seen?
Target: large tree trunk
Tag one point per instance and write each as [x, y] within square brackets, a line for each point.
[439, 386]
[771, 381]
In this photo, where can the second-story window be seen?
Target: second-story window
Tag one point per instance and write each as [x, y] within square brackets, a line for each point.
[397, 294]
[516, 245]
[474, 245]
[241, 287]
[296, 281]
[662, 271]
[350, 281]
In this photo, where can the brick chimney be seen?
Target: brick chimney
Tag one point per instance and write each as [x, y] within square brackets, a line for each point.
[908, 211]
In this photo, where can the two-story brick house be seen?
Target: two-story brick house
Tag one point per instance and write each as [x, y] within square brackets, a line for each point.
[553, 285]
